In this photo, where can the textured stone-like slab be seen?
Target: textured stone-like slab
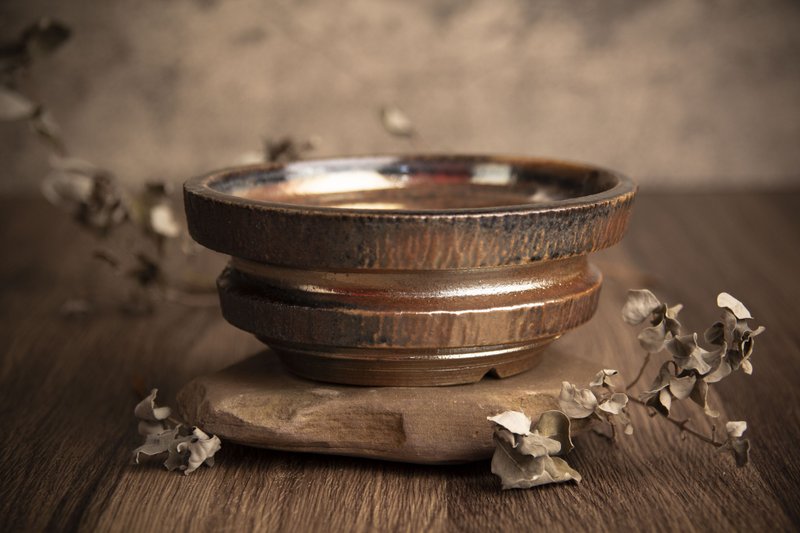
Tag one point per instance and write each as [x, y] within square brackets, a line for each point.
[258, 403]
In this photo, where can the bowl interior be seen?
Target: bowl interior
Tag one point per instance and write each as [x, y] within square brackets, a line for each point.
[415, 184]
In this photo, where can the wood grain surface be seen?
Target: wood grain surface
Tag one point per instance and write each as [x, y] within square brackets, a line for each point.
[66, 401]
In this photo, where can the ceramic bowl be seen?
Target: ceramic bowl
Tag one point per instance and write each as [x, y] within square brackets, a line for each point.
[411, 270]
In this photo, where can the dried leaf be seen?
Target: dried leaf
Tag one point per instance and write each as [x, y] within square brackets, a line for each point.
[519, 471]
[602, 378]
[736, 443]
[726, 301]
[147, 409]
[147, 427]
[513, 421]
[199, 448]
[682, 387]
[720, 371]
[90, 193]
[576, 403]
[15, 106]
[639, 305]
[537, 445]
[653, 338]
[615, 404]
[658, 396]
[396, 122]
[556, 425]
[735, 428]
[688, 355]
[163, 221]
[155, 444]
[699, 396]
[67, 189]
[515, 470]
[524, 460]
[715, 334]
[559, 471]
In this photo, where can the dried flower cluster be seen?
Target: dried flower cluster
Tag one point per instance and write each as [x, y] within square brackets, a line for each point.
[92, 195]
[524, 458]
[601, 401]
[692, 368]
[186, 448]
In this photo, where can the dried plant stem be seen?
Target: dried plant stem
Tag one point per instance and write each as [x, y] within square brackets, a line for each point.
[681, 424]
[641, 372]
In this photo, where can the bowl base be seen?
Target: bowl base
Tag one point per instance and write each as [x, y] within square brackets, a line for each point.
[409, 368]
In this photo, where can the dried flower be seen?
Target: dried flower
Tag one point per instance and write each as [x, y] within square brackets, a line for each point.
[188, 451]
[150, 416]
[186, 447]
[734, 334]
[575, 402]
[671, 384]
[524, 457]
[688, 355]
[643, 304]
[155, 443]
[603, 378]
[152, 211]
[600, 401]
[88, 192]
[736, 443]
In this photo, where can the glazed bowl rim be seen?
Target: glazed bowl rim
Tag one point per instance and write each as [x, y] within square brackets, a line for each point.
[342, 239]
[202, 186]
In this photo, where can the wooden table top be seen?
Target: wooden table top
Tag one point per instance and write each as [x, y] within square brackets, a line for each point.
[66, 401]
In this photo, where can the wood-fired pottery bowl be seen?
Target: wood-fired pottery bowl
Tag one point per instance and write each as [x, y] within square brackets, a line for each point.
[421, 270]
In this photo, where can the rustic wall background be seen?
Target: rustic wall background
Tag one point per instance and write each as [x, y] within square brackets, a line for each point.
[704, 93]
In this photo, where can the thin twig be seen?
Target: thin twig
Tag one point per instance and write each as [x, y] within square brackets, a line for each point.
[641, 372]
[681, 424]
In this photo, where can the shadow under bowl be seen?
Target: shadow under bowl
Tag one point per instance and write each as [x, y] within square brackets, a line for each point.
[409, 270]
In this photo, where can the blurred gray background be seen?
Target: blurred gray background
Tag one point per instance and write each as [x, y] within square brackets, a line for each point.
[675, 93]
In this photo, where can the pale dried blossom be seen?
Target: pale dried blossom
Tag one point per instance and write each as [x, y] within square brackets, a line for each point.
[186, 447]
[575, 402]
[152, 211]
[733, 334]
[688, 355]
[526, 457]
[151, 416]
[673, 385]
[601, 401]
[90, 193]
[736, 444]
[642, 305]
[191, 448]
